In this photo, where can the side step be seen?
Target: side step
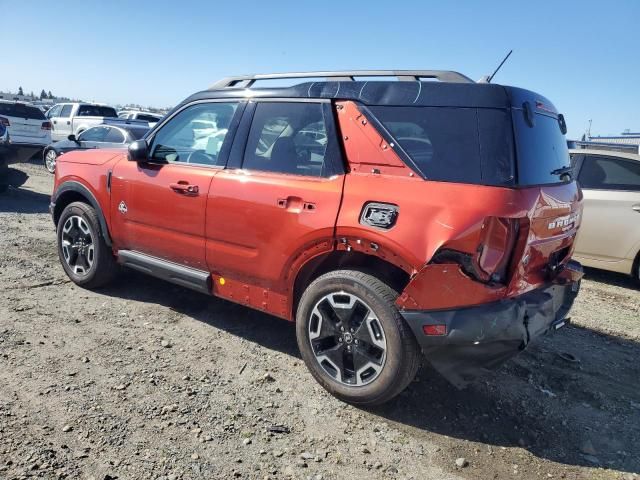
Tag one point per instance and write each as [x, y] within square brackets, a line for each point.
[172, 272]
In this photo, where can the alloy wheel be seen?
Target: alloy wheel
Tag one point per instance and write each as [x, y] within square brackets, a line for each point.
[347, 339]
[78, 245]
[50, 160]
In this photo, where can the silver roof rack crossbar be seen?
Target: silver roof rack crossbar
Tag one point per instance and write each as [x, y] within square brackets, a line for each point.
[246, 81]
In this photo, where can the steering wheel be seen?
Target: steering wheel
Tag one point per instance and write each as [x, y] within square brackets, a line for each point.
[198, 156]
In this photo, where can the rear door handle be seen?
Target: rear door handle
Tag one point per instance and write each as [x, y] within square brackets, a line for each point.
[295, 204]
[636, 207]
[184, 188]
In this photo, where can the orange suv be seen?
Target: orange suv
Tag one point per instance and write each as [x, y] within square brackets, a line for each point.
[431, 215]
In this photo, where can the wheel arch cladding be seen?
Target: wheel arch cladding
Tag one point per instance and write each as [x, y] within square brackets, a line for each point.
[70, 192]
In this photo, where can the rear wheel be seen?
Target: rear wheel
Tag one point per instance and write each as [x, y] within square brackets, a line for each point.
[50, 157]
[86, 258]
[353, 339]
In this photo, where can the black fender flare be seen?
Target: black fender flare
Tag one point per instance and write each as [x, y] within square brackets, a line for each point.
[77, 187]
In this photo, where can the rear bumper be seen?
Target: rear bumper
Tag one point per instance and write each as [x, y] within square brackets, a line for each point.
[484, 336]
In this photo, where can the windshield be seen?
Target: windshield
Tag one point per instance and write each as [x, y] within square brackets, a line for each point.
[543, 156]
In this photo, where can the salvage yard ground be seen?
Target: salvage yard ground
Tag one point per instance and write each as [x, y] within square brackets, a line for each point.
[148, 380]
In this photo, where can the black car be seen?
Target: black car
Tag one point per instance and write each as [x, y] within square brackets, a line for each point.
[118, 134]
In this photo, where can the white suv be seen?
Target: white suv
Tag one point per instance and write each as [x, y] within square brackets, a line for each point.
[29, 129]
[609, 236]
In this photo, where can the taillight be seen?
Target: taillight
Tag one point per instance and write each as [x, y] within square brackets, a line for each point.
[46, 125]
[5, 122]
[496, 246]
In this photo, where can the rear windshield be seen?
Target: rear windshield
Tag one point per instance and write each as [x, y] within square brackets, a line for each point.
[147, 118]
[21, 110]
[542, 149]
[97, 111]
[466, 145]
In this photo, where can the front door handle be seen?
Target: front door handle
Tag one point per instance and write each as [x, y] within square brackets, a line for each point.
[184, 188]
[636, 207]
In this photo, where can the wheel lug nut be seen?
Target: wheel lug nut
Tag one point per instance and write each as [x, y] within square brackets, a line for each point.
[351, 330]
[342, 329]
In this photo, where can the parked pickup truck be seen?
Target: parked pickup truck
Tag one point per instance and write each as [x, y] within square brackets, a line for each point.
[75, 118]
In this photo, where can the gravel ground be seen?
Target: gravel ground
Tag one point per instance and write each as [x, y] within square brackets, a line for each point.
[148, 380]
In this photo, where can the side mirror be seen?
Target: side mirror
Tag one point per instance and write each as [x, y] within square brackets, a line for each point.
[138, 151]
[73, 138]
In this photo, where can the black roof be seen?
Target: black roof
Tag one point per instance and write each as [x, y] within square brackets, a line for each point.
[451, 89]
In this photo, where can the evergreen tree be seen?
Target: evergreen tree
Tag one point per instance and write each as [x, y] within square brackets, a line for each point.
[50, 95]
[20, 92]
[43, 94]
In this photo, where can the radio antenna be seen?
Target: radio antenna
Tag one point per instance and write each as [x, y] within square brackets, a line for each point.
[499, 67]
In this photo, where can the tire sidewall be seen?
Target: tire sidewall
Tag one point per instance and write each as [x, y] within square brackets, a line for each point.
[84, 211]
[386, 314]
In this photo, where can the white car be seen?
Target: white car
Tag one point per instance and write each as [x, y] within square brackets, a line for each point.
[609, 236]
[29, 129]
[149, 117]
[75, 118]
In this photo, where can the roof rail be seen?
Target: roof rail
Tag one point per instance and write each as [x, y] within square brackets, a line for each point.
[246, 81]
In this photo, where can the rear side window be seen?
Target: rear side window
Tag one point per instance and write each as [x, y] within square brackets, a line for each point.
[96, 111]
[465, 145]
[287, 138]
[608, 173]
[21, 110]
[95, 134]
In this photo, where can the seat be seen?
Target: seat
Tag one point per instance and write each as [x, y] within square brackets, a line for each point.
[284, 157]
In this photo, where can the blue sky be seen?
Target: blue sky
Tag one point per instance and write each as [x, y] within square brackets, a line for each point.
[583, 55]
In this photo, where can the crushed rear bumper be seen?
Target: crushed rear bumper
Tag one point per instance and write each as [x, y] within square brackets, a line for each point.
[484, 336]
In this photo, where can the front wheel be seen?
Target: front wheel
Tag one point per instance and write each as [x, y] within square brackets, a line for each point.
[50, 157]
[86, 258]
[353, 339]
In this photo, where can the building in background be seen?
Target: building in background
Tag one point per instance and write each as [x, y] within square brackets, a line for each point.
[627, 141]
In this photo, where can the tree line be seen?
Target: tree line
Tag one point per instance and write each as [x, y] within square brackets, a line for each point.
[43, 94]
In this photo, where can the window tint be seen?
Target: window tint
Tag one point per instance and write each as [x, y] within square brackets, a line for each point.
[287, 138]
[607, 173]
[464, 145]
[94, 134]
[114, 136]
[66, 111]
[137, 133]
[147, 118]
[195, 135]
[97, 111]
[21, 110]
[542, 149]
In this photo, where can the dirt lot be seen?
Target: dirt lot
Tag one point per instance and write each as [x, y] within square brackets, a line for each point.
[149, 380]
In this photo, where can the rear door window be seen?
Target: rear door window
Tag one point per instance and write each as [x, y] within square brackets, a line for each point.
[465, 145]
[609, 173]
[287, 138]
[95, 134]
[114, 136]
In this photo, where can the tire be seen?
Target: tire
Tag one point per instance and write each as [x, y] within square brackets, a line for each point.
[49, 159]
[85, 257]
[4, 176]
[366, 307]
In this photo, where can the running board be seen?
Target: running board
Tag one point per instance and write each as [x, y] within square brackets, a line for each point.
[172, 272]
